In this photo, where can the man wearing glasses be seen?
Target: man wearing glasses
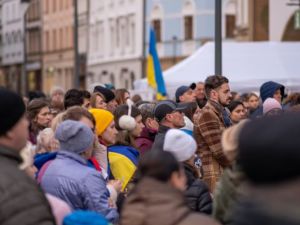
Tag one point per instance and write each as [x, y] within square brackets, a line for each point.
[169, 116]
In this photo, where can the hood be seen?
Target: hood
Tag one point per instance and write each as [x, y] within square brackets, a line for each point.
[41, 159]
[188, 124]
[148, 133]
[152, 202]
[268, 89]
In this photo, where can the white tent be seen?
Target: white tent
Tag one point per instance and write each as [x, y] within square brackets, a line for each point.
[247, 65]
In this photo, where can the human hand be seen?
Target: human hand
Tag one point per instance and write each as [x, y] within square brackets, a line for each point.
[117, 185]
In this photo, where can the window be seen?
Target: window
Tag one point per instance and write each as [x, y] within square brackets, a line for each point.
[157, 29]
[61, 38]
[53, 5]
[54, 40]
[118, 33]
[61, 5]
[112, 40]
[67, 43]
[72, 36]
[46, 8]
[132, 37]
[230, 26]
[47, 41]
[188, 27]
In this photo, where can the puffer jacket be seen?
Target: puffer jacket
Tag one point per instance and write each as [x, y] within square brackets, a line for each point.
[155, 203]
[197, 193]
[160, 138]
[83, 188]
[21, 200]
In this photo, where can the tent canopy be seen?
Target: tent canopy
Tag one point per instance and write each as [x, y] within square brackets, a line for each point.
[247, 65]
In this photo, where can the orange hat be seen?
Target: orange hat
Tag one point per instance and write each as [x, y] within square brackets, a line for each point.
[103, 118]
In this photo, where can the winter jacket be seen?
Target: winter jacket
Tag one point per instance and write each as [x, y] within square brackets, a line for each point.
[276, 204]
[267, 90]
[21, 200]
[69, 178]
[160, 138]
[208, 128]
[123, 163]
[197, 193]
[226, 194]
[155, 203]
[145, 141]
[189, 126]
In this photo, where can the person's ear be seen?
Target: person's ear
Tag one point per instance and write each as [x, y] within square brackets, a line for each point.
[181, 98]
[169, 117]
[148, 123]
[213, 93]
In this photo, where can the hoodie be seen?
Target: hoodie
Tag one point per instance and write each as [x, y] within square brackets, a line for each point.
[189, 126]
[267, 90]
[145, 141]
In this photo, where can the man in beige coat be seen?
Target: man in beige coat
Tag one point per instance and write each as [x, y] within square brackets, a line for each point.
[208, 128]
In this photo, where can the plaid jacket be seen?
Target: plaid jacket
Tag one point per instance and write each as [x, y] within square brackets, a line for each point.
[208, 129]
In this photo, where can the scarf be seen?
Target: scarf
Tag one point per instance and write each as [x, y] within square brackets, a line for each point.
[224, 113]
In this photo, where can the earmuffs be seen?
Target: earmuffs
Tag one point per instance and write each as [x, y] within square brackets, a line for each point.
[127, 122]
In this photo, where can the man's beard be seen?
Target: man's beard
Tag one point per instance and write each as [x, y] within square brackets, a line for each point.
[224, 104]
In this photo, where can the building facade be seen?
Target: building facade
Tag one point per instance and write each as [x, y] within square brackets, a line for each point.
[115, 42]
[182, 26]
[58, 44]
[13, 43]
[34, 46]
[265, 20]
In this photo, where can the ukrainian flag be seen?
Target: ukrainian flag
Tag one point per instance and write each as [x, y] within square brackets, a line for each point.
[154, 73]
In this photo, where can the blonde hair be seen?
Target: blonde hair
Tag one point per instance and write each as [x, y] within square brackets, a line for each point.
[27, 154]
[46, 142]
[94, 98]
[57, 120]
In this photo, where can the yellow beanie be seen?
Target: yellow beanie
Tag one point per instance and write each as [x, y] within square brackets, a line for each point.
[103, 118]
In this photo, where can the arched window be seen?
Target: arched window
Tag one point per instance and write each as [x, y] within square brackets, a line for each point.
[230, 19]
[132, 78]
[188, 11]
[112, 79]
[156, 21]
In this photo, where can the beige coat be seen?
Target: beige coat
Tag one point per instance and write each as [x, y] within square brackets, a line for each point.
[154, 203]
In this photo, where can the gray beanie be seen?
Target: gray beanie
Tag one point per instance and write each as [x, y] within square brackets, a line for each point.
[74, 136]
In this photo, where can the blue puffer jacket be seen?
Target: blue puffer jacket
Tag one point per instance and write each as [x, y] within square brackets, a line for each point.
[69, 178]
[267, 90]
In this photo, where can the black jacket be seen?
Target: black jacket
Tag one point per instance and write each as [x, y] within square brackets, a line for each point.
[197, 193]
[21, 200]
[160, 138]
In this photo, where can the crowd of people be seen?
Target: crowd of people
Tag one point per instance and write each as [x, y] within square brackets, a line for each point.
[101, 156]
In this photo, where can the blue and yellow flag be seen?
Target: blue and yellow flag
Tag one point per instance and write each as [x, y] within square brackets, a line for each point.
[154, 73]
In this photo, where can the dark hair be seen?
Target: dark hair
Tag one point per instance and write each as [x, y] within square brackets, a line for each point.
[120, 96]
[214, 82]
[190, 110]
[243, 99]
[147, 111]
[35, 94]
[76, 113]
[75, 97]
[57, 106]
[118, 113]
[137, 104]
[86, 94]
[234, 104]
[159, 165]
[233, 94]
[33, 109]
[136, 98]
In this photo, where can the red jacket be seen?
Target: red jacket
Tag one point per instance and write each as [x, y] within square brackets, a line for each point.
[145, 141]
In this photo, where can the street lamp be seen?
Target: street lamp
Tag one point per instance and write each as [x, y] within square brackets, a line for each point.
[24, 8]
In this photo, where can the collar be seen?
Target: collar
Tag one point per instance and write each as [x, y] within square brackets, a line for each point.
[218, 108]
[11, 154]
[163, 129]
[71, 155]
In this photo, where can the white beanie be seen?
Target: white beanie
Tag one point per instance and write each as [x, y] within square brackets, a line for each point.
[180, 144]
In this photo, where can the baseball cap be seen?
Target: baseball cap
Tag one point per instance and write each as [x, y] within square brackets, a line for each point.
[166, 107]
[182, 89]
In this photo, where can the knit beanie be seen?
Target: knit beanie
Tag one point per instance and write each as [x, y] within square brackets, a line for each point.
[230, 139]
[180, 144]
[270, 104]
[12, 108]
[103, 118]
[108, 94]
[85, 218]
[74, 136]
[269, 149]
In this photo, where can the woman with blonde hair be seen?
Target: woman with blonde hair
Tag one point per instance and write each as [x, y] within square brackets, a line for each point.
[122, 95]
[98, 101]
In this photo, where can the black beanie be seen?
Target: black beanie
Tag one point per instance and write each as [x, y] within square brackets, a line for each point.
[269, 149]
[108, 94]
[12, 108]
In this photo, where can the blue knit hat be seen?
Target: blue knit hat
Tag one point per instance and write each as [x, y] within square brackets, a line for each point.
[85, 218]
[74, 136]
